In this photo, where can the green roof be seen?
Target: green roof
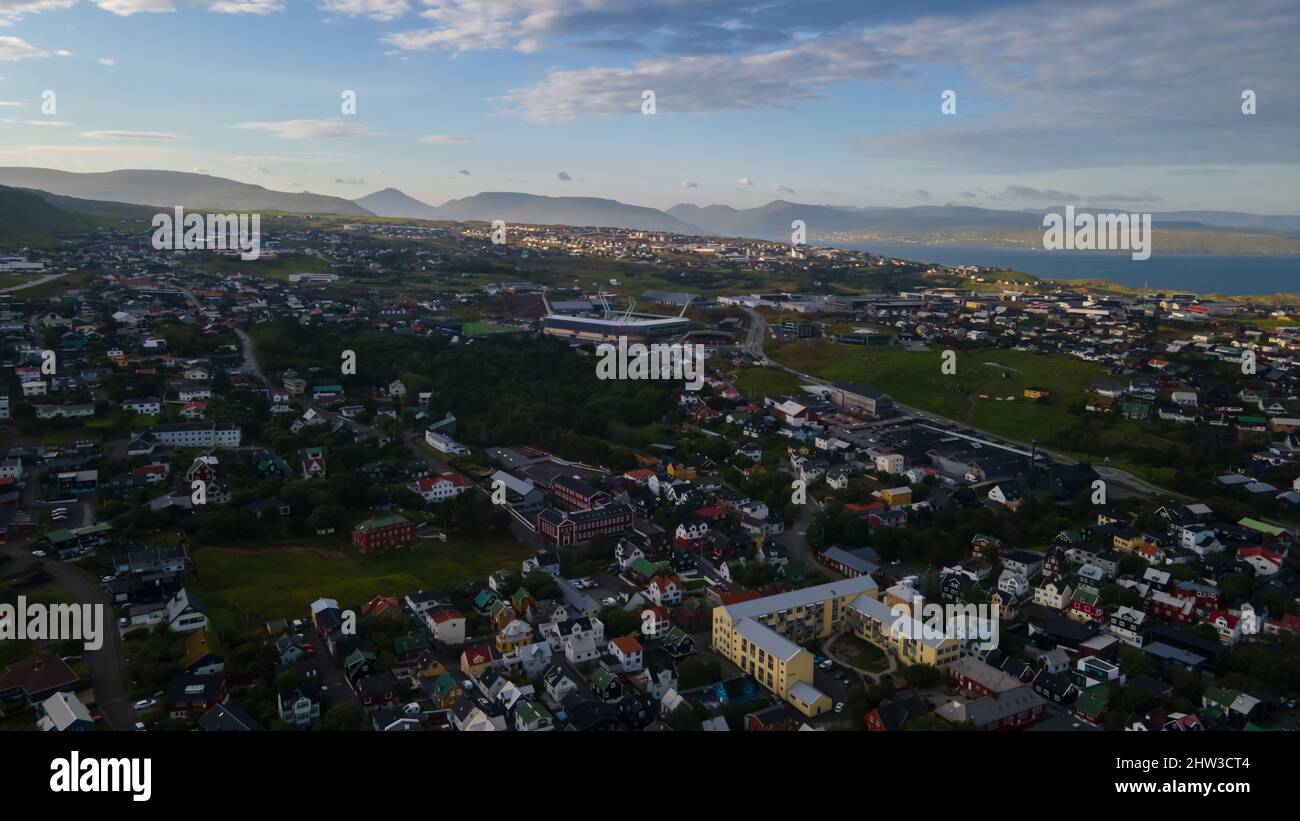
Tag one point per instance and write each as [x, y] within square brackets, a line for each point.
[411, 641]
[530, 711]
[1220, 695]
[358, 655]
[1093, 701]
[381, 521]
[1262, 527]
[444, 684]
[643, 566]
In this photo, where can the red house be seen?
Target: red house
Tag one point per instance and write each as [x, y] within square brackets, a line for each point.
[1087, 607]
[382, 533]
[559, 528]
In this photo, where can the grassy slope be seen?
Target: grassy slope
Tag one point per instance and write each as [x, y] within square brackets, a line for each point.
[28, 220]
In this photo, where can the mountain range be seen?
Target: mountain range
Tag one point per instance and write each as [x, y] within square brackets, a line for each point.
[119, 194]
[528, 209]
[166, 189]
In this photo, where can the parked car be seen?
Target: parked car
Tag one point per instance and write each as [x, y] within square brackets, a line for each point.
[40, 554]
[839, 706]
[107, 579]
[145, 704]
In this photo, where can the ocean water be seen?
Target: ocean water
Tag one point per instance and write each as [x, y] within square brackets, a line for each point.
[1237, 275]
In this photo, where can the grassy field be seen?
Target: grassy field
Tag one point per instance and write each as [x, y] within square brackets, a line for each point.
[56, 287]
[277, 268]
[280, 582]
[486, 329]
[976, 394]
[755, 383]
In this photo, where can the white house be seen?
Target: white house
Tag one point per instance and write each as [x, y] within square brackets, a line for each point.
[628, 651]
[186, 613]
[891, 463]
[665, 590]
[436, 489]
[1054, 593]
[1013, 583]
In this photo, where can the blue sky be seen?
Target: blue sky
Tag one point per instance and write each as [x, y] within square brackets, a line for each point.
[1133, 104]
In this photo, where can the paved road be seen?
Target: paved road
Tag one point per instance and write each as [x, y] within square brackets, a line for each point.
[32, 284]
[107, 664]
[250, 358]
[795, 541]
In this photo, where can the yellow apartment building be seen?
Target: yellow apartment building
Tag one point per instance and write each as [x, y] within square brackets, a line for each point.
[762, 636]
[907, 639]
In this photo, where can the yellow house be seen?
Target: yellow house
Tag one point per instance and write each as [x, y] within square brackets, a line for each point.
[759, 636]
[1127, 541]
[683, 471]
[516, 634]
[896, 496]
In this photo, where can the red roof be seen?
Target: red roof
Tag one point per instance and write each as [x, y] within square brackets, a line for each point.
[662, 581]
[627, 645]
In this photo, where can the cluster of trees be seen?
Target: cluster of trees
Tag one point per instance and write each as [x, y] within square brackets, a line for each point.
[519, 390]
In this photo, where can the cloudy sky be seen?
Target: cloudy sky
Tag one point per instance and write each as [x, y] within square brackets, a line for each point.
[1135, 103]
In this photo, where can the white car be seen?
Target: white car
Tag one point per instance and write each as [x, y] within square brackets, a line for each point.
[145, 704]
[839, 706]
[609, 601]
[40, 554]
[107, 579]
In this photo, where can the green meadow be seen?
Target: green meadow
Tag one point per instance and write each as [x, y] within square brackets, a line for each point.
[280, 582]
[976, 395]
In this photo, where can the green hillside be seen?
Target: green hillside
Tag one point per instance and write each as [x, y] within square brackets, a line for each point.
[28, 220]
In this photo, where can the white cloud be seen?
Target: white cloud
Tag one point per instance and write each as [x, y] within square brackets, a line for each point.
[130, 135]
[689, 184]
[745, 181]
[260, 7]
[381, 10]
[445, 139]
[16, 48]
[1045, 86]
[126, 8]
[781, 189]
[306, 129]
[107, 61]
[11, 11]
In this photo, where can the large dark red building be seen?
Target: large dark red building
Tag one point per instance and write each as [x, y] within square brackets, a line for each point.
[560, 528]
[383, 533]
